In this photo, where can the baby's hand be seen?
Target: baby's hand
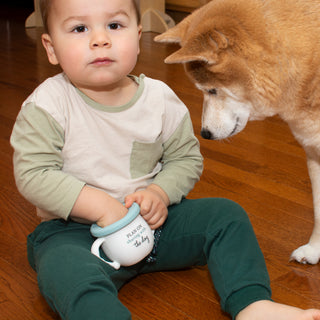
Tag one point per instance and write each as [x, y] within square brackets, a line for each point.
[96, 206]
[115, 212]
[153, 204]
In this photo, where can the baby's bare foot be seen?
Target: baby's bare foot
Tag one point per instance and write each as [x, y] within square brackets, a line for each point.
[266, 310]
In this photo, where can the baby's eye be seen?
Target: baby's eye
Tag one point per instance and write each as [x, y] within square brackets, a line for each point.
[79, 29]
[114, 26]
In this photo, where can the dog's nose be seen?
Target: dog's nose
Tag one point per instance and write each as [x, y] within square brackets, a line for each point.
[206, 134]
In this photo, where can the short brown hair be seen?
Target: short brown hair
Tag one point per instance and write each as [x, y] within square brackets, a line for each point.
[46, 4]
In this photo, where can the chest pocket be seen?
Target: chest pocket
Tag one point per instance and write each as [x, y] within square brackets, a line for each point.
[145, 157]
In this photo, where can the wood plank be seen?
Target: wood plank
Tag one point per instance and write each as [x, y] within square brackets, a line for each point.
[187, 303]
[20, 297]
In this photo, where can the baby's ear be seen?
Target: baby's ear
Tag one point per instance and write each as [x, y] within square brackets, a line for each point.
[48, 45]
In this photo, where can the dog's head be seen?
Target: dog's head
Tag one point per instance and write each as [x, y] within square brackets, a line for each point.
[219, 48]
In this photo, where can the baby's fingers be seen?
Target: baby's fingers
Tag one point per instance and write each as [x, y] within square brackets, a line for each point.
[157, 221]
[130, 199]
[145, 207]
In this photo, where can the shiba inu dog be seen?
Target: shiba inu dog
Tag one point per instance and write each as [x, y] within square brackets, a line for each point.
[254, 59]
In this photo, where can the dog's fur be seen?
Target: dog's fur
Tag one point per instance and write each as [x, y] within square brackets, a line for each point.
[253, 59]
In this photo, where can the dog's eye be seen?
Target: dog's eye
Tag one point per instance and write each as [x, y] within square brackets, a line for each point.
[212, 91]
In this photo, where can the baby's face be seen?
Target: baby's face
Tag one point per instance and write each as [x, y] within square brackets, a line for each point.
[95, 42]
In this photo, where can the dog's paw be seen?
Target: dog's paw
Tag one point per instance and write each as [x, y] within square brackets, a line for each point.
[306, 254]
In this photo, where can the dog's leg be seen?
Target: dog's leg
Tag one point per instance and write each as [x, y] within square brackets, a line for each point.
[310, 253]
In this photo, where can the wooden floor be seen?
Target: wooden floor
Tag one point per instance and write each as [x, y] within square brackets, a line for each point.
[262, 168]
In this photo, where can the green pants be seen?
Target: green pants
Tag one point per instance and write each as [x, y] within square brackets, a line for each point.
[212, 231]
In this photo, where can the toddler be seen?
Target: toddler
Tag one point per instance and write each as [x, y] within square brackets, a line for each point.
[92, 140]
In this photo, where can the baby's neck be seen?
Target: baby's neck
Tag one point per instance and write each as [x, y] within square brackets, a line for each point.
[115, 95]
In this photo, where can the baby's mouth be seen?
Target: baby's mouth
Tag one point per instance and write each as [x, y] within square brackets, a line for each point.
[102, 61]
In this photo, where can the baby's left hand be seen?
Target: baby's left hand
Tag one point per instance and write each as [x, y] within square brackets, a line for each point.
[153, 204]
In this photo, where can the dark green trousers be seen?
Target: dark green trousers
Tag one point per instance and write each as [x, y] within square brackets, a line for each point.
[212, 231]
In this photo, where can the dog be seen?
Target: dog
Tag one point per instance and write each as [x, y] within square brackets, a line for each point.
[254, 59]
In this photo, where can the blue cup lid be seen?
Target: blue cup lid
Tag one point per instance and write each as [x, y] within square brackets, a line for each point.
[98, 232]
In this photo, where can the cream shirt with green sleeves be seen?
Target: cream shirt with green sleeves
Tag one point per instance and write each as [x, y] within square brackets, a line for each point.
[63, 140]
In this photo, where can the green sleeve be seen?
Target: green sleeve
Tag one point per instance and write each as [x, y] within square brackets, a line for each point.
[182, 162]
[38, 140]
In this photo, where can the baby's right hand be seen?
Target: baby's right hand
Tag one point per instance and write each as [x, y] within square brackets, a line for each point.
[96, 206]
[115, 212]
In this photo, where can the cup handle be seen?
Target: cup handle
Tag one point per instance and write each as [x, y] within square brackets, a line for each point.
[95, 250]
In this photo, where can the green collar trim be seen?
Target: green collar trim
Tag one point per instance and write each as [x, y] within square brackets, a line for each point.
[139, 80]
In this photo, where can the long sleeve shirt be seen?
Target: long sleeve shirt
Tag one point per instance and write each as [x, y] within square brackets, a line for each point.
[63, 140]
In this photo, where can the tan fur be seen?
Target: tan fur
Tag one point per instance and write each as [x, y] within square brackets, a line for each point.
[262, 57]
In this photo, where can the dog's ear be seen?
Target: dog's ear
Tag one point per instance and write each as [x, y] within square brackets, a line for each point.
[189, 54]
[175, 34]
[204, 47]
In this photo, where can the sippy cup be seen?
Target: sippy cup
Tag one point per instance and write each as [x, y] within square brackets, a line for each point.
[125, 242]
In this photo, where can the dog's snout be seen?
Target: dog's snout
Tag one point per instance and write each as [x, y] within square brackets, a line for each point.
[206, 134]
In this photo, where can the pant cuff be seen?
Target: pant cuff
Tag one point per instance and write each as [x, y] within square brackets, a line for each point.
[244, 297]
